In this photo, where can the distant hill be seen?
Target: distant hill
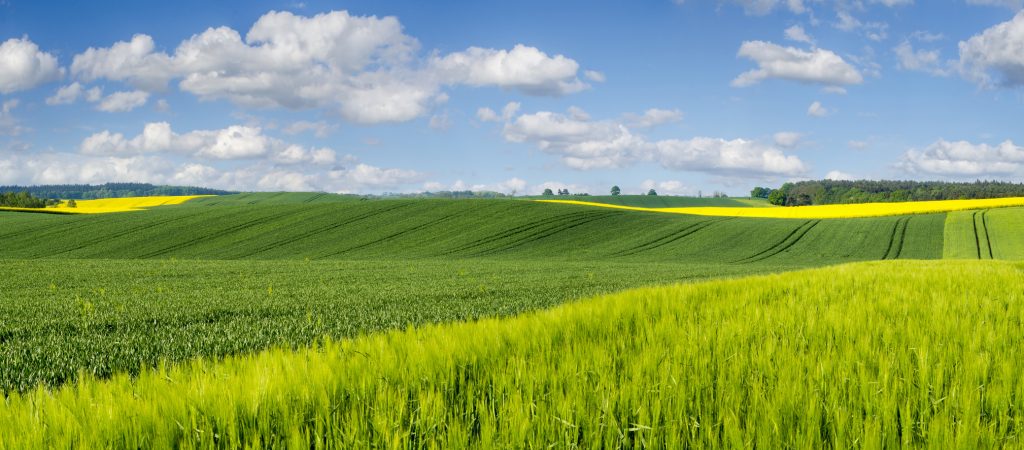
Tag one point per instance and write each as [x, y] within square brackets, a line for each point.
[109, 190]
[825, 192]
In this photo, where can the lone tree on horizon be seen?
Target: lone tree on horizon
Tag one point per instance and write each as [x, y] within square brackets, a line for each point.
[547, 192]
[652, 192]
[616, 190]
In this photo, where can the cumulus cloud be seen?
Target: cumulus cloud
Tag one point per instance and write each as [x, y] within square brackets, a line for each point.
[919, 60]
[585, 144]
[487, 115]
[815, 66]
[319, 129]
[996, 55]
[123, 101]
[523, 68]
[56, 168]
[365, 68]
[963, 158]
[69, 94]
[1012, 4]
[839, 176]
[233, 142]
[796, 33]
[787, 139]
[817, 110]
[24, 66]
[668, 187]
[762, 7]
[8, 123]
[653, 117]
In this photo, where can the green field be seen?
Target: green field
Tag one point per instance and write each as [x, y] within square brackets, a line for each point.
[894, 354]
[663, 201]
[375, 229]
[259, 278]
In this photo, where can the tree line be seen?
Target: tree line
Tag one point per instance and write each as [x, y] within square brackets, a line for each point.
[24, 200]
[109, 190]
[827, 192]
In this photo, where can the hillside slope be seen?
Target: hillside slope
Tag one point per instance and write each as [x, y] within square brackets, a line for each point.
[258, 227]
[875, 355]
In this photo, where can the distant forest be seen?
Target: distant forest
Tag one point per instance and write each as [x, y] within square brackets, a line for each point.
[109, 190]
[826, 192]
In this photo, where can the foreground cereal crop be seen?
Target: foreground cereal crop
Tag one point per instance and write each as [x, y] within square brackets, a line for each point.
[884, 354]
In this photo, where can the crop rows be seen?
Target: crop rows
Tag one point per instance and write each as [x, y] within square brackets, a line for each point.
[389, 229]
[111, 316]
[870, 355]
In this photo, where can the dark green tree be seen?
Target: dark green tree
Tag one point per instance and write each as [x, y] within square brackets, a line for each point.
[652, 192]
[616, 190]
[547, 192]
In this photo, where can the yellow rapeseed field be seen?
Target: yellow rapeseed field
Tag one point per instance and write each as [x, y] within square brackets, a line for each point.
[110, 205]
[825, 211]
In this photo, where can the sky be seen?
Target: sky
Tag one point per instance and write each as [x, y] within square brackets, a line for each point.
[683, 96]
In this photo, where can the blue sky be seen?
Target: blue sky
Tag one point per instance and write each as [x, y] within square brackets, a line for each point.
[378, 96]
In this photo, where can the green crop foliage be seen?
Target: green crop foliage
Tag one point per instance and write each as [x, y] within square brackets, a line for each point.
[102, 317]
[413, 229]
[1006, 233]
[984, 234]
[662, 201]
[875, 355]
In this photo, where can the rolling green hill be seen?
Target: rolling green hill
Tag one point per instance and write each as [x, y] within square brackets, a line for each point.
[299, 226]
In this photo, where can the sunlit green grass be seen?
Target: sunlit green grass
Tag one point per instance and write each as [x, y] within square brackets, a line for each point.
[869, 355]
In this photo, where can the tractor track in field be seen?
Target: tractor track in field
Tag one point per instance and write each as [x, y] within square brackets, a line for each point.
[216, 235]
[419, 227]
[519, 229]
[986, 252]
[323, 229]
[670, 238]
[896, 238]
[121, 234]
[791, 239]
[593, 217]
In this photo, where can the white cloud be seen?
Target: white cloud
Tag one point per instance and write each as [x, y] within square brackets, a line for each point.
[320, 129]
[24, 66]
[1012, 4]
[818, 66]
[787, 139]
[847, 22]
[875, 31]
[233, 142]
[920, 60]
[601, 144]
[892, 3]
[796, 33]
[66, 94]
[726, 157]
[123, 101]
[487, 115]
[962, 158]
[857, 145]
[440, 122]
[762, 7]
[524, 68]
[996, 56]
[839, 176]
[653, 117]
[365, 68]
[594, 76]
[817, 110]
[669, 187]
[8, 124]
[582, 144]
[510, 109]
[133, 62]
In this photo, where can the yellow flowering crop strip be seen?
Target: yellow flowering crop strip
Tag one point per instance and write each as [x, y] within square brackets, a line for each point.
[825, 211]
[111, 205]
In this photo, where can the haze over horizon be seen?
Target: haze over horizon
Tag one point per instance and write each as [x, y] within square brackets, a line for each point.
[368, 97]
